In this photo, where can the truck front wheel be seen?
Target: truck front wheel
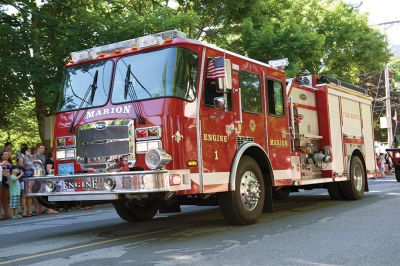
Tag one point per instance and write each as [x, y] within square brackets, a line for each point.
[136, 211]
[245, 204]
[354, 188]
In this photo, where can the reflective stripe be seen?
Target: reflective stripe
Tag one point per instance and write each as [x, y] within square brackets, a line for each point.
[282, 174]
[216, 178]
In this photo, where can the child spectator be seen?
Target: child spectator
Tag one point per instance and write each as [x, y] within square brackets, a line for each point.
[15, 192]
[25, 162]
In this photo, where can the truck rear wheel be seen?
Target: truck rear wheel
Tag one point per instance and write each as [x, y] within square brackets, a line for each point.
[245, 204]
[397, 173]
[354, 188]
[136, 212]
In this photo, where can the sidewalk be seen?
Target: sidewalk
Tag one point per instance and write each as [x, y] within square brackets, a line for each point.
[59, 212]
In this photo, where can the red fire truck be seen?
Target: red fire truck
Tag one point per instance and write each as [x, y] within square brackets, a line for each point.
[153, 123]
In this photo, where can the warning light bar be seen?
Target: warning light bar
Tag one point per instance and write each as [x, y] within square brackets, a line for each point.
[139, 43]
[279, 63]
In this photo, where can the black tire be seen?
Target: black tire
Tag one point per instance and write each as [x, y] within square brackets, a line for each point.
[281, 194]
[232, 208]
[136, 212]
[397, 173]
[335, 193]
[357, 174]
[44, 201]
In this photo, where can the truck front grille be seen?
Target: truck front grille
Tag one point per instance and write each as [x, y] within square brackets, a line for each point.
[100, 143]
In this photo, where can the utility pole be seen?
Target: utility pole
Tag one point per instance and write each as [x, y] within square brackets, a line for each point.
[388, 108]
[386, 25]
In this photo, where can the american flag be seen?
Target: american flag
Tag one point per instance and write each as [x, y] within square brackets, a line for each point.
[215, 68]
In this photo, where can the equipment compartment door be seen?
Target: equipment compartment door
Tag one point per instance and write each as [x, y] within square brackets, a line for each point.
[336, 134]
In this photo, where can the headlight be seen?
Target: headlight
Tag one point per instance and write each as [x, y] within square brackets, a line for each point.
[60, 154]
[67, 154]
[144, 146]
[70, 154]
[156, 158]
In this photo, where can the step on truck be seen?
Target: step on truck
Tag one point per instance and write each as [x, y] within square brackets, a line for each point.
[156, 122]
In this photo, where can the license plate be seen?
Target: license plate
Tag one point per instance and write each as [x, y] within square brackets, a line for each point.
[66, 169]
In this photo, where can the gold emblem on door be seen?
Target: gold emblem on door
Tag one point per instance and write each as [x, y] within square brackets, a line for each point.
[252, 125]
[177, 136]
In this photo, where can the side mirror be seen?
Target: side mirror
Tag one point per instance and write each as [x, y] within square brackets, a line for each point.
[219, 102]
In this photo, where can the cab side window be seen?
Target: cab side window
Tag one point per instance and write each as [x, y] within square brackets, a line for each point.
[250, 92]
[212, 90]
[275, 97]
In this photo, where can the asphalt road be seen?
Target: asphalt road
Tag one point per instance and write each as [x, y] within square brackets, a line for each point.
[307, 229]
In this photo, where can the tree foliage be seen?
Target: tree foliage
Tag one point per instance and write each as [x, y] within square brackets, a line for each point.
[319, 36]
[22, 126]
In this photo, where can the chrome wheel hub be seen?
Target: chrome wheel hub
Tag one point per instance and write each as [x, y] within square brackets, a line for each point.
[358, 177]
[249, 190]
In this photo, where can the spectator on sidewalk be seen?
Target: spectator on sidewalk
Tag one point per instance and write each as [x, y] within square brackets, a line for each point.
[49, 163]
[15, 191]
[50, 171]
[39, 157]
[19, 155]
[388, 166]
[26, 163]
[381, 164]
[7, 147]
[5, 163]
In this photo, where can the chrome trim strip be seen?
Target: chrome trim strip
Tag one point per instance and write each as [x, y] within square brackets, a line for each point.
[86, 175]
[198, 123]
[104, 141]
[108, 123]
[96, 184]
[240, 106]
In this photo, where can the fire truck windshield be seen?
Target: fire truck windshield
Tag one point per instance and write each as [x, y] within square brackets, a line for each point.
[77, 80]
[170, 72]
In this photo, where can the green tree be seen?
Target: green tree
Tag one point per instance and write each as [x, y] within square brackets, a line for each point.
[21, 126]
[320, 36]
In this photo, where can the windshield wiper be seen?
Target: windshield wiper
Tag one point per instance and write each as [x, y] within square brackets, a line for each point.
[136, 79]
[92, 90]
[130, 90]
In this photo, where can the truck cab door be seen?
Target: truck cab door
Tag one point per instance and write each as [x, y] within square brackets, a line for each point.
[278, 137]
[216, 116]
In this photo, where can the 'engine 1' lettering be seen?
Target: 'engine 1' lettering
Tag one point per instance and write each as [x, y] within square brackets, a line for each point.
[215, 138]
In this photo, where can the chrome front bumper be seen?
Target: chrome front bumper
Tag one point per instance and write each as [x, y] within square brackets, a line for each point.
[96, 186]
